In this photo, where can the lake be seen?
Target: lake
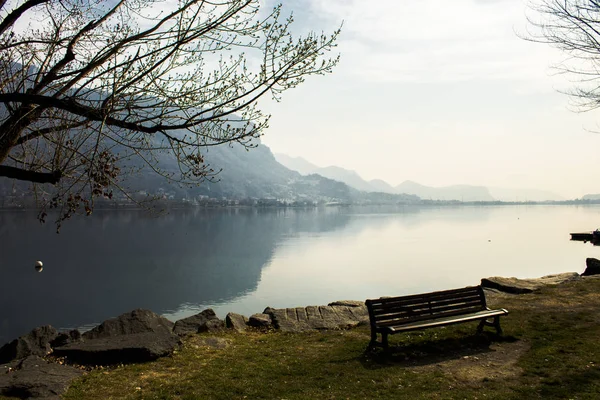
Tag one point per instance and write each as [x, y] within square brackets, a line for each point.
[243, 260]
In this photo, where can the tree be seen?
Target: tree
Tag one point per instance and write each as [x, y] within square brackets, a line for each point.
[92, 89]
[573, 26]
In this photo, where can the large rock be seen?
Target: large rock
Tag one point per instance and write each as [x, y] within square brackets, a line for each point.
[138, 336]
[348, 303]
[35, 378]
[592, 267]
[520, 286]
[122, 349]
[301, 319]
[136, 321]
[235, 321]
[65, 338]
[205, 321]
[36, 342]
[260, 320]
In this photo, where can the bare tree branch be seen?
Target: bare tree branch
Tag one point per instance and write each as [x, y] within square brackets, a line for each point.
[12, 17]
[572, 26]
[31, 176]
[99, 88]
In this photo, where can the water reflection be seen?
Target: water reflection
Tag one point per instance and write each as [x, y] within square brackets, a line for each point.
[246, 259]
[113, 262]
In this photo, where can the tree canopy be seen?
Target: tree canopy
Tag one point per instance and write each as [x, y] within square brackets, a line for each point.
[572, 26]
[87, 86]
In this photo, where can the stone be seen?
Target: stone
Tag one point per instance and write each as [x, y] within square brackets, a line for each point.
[235, 321]
[592, 267]
[138, 336]
[286, 320]
[136, 321]
[36, 342]
[347, 303]
[520, 286]
[65, 338]
[302, 319]
[260, 320]
[205, 321]
[122, 349]
[36, 378]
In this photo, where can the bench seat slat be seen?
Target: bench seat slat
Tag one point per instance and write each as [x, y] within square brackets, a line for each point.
[424, 300]
[447, 294]
[427, 309]
[443, 321]
[404, 320]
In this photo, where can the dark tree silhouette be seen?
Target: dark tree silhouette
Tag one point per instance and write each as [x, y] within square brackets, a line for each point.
[87, 86]
[572, 26]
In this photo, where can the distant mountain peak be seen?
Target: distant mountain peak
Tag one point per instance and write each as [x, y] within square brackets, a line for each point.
[452, 192]
[340, 174]
[460, 192]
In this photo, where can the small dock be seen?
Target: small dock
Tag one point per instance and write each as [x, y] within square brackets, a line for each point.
[582, 236]
[592, 237]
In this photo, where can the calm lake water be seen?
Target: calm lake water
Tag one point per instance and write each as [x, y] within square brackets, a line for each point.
[243, 260]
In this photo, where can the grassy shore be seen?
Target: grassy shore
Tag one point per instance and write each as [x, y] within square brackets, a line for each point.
[549, 350]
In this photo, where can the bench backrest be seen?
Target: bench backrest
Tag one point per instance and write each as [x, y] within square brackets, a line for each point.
[391, 311]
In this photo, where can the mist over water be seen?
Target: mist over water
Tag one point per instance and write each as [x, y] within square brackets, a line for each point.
[243, 260]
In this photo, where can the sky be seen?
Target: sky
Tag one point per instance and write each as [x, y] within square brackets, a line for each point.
[441, 93]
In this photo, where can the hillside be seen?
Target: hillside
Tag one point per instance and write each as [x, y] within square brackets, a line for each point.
[353, 179]
[454, 192]
[504, 194]
[591, 197]
[349, 177]
[449, 193]
[243, 174]
[256, 174]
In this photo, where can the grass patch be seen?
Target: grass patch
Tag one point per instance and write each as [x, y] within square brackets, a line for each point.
[549, 351]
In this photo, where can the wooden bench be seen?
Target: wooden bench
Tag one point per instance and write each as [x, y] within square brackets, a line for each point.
[390, 315]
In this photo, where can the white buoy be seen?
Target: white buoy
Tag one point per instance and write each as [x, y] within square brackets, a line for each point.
[39, 266]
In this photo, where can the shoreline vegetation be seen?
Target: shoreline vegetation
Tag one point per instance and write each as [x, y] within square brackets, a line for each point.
[548, 350]
[212, 203]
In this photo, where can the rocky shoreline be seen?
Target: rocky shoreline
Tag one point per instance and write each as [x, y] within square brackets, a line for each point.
[42, 363]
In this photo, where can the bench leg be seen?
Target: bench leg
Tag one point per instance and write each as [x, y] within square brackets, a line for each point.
[480, 327]
[497, 324]
[373, 342]
[384, 341]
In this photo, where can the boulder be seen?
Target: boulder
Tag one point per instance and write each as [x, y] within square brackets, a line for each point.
[301, 319]
[65, 338]
[138, 336]
[260, 320]
[236, 321]
[348, 303]
[592, 267]
[121, 349]
[35, 378]
[36, 342]
[136, 321]
[206, 321]
[520, 286]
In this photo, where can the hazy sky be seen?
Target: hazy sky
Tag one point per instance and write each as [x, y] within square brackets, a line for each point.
[439, 92]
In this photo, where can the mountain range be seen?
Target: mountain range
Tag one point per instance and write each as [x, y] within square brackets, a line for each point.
[453, 192]
[591, 197]
[260, 174]
[244, 175]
